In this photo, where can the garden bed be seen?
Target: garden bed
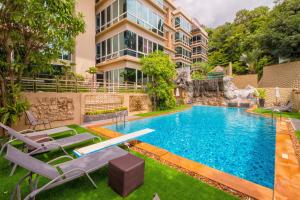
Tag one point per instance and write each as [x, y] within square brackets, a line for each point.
[105, 114]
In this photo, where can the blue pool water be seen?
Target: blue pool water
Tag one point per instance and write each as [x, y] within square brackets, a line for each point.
[227, 139]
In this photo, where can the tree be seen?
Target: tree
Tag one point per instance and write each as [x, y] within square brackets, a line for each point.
[161, 90]
[250, 58]
[230, 41]
[281, 38]
[93, 71]
[203, 67]
[33, 33]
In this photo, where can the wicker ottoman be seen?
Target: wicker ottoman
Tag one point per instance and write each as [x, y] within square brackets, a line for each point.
[125, 174]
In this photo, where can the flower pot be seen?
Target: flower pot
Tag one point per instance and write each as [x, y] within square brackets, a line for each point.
[261, 103]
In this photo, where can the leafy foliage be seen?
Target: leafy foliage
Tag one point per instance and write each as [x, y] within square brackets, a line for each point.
[14, 108]
[159, 66]
[196, 75]
[99, 112]
[33, 34]
[93, 71]
[261, 93]
[257, 37]
[281, 38]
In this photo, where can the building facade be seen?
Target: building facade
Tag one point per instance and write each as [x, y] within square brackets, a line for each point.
[120, 32]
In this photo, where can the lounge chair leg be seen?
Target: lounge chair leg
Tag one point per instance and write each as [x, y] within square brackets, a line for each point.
[91, 180]
[13, 170]
[2, 148]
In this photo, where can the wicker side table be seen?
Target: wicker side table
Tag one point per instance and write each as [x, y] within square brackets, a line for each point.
[125, 174]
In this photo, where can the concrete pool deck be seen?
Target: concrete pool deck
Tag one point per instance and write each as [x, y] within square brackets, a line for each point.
[287, 169]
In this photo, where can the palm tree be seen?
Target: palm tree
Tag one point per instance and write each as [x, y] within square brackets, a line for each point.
[203, 67]
[251, 59]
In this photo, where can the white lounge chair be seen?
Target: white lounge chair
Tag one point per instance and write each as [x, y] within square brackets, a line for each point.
[111, 142]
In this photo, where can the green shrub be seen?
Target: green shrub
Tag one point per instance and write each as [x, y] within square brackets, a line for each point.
[101, 112]
[261, 93]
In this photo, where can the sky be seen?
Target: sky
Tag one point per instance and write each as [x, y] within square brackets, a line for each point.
[213, 13]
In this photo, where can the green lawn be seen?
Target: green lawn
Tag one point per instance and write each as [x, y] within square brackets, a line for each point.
[167, 182]
[162, 112]
[295, 115]
[298, 135]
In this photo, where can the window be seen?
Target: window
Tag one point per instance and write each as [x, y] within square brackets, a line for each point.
[125, 43]
[154, 46]
[183, 23]
[182, 52]
[98, 53]
[177, 22]
[98, 22]
[160, 47]
[122, 7]
[130, 40]
[135, 11]
[140, 44]
[150, 44]
[145, 46]
[108, 16]
[121, 41]
[102, 19]
[108, 47]
[115, 43]
[103, 48]
[130, 75]
[131, 7]
[115, 10]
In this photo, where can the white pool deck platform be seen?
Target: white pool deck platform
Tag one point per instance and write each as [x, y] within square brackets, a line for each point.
[111, 142]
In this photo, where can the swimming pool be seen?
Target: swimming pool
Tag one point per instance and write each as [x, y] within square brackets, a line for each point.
[227, 139]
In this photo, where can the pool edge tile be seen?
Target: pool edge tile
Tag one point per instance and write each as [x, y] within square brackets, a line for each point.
[287, 170]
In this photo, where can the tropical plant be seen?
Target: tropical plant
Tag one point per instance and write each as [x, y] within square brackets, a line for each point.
[250, 58]
[13, 109]
[93, 71]
[196, 75]
[33, 33]
[161, 90]
[262, 93]
[204, 68]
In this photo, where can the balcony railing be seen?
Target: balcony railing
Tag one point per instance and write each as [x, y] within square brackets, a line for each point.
[114, 55]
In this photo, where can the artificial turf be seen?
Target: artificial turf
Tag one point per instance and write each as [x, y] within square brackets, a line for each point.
[298, 135]
[167, 182]
[294, 115]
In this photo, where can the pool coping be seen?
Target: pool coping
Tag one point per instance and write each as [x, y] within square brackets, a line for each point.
[285, 185]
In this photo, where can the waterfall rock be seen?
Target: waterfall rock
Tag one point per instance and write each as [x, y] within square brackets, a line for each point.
[232, 92]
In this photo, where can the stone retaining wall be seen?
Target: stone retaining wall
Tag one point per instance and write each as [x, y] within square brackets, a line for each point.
[69, 108]
[242, 81]
[285, 75]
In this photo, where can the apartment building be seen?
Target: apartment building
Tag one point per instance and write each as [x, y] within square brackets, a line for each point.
[120, 32]
[199, 42]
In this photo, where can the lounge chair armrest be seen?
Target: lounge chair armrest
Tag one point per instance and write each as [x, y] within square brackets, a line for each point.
[61, 157]
[27, 131]
[43, 138]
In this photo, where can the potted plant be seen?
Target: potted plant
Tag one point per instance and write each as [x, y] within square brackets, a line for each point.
[261, 97]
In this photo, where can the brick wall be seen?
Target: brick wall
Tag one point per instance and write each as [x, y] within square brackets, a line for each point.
[242, 81]
[296, 100]
[285, 75]
[286, 94]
